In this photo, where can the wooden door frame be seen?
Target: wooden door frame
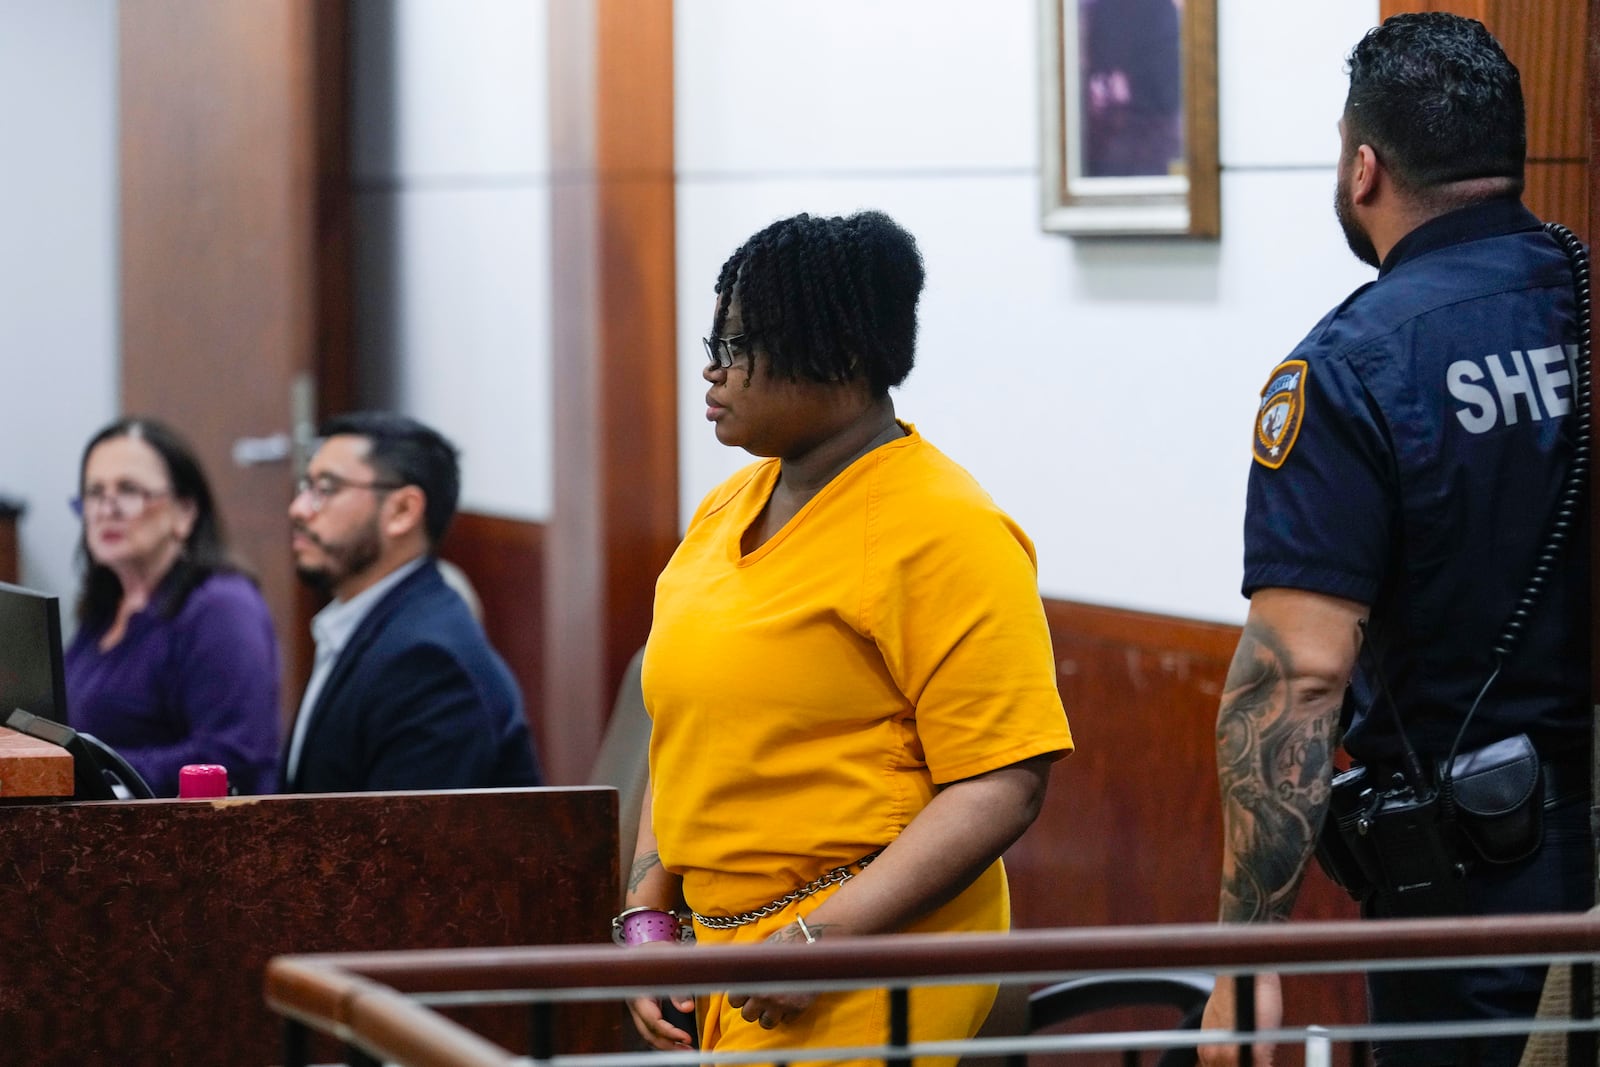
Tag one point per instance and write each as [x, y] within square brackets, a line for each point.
[235, 243]
[613, 355]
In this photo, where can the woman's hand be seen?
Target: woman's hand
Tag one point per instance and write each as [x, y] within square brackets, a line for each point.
[771, 1010]
[658, 1031]
[653, 1026]
[650, 885]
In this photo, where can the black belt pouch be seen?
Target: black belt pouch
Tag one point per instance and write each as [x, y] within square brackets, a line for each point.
[1498, 802]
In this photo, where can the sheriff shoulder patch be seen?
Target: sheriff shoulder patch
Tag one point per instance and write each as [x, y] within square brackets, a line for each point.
[1283, 405]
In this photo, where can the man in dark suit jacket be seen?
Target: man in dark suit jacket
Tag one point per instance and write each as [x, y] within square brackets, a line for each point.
[405, 692]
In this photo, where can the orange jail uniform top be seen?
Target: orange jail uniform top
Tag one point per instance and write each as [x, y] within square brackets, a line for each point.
[808, 697]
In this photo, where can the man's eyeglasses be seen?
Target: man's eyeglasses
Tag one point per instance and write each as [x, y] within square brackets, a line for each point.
[724, 351]
[319, 489]
[126, 500]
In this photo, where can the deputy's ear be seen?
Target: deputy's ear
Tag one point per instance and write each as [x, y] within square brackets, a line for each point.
[1365, 175]
[404, 510]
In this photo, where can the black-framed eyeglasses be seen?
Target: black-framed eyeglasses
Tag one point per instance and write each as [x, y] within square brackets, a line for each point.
[724, 351]
[318, 490]
[127, 500]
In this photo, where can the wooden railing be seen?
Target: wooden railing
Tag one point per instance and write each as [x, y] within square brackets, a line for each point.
[380, 1004]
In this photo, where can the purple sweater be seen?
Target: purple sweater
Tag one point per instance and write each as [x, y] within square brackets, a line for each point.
[201, 687]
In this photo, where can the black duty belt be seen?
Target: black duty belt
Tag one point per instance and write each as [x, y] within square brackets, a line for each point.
[1566, 777]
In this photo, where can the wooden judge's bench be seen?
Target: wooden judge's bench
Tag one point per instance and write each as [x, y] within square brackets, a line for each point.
[138, 932]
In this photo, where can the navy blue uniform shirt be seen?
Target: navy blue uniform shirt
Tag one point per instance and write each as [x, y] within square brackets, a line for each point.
[1408, 457]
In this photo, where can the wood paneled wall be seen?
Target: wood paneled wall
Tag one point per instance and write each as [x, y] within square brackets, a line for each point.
[615, 516]
[235, 222]
[504, 559]
[1131, 830]
[1548, 43]
[10, 564]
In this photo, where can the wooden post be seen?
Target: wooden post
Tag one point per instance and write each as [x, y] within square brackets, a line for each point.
[614, 360]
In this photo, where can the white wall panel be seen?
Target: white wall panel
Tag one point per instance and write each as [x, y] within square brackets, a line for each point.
[1103, 390]
[778, 85]
[1281, 78]
[452, 165]
[454, 285]
[1099, 388]
[450, 88]
[58, 314]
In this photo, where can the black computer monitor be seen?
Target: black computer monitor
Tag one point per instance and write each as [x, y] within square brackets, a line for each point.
[31, 673]
[33, 695]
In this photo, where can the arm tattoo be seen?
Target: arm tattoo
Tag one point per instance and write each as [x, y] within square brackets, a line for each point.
[642, 866]
[1273, 764]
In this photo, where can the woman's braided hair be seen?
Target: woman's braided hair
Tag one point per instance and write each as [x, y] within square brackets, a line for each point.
[828, 299]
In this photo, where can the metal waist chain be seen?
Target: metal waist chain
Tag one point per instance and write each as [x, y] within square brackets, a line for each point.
[816, 885]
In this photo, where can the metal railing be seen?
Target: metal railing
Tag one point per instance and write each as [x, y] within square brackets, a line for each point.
[381, 1005]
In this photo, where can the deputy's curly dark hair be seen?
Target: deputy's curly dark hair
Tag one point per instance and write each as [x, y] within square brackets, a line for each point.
[828, 299]
[1436, 97]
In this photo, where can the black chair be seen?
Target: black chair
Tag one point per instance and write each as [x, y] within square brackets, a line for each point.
[623, 760]
[1184, 991]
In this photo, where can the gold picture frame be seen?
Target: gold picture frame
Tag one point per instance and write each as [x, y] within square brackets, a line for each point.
[1129, 117]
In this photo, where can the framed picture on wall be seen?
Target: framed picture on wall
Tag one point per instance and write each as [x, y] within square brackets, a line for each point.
[1129, 108]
